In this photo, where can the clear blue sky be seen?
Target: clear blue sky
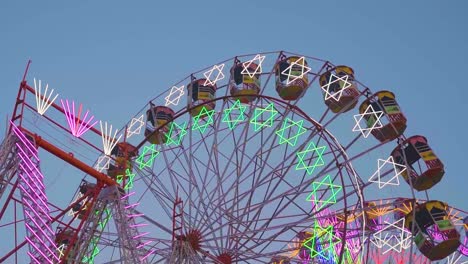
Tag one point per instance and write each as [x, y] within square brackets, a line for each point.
[114, 56]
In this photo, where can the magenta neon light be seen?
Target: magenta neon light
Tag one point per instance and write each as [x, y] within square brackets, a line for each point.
[20, 135]
[30, 196]
[38, 250]
[42, 222]
[147, 255]
[77, 126]
[41, 192]
[134, 215]
[139, 225]
[42, 241]
[140, 235]
[144, 244]
[132, 205]
[24, 157]
[34, 258]
[32, 172]
[127, 195]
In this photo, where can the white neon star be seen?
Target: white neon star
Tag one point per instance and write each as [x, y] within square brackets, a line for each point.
[78, 196]
[43, 101]
[178, 91]
[102, 163]
[377, 124]
[258, 70]
[135, 126]
[60, 250]
[454, 259]
[399, 240]
[394, 180]
[333, 79]
[219, 75]
[291, 77]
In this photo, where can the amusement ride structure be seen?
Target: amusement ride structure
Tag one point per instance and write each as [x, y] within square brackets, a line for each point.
[262, 158]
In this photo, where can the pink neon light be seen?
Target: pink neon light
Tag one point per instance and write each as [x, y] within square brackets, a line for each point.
[34, 258]
[144, 244]
[139, 225]
[34, 174]
[147, 255]
[464, 247]
[127, 195]
[132, 205]
[20, 135]
[42, 241]
[38, 250]
[34, 200]
[134, 215]
[41, 192]
[77, 126]
[39, 226]
[30, 197]
[140, 235]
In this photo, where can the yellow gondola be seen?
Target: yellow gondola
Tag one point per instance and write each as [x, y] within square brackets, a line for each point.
[203, 93]
[291, 81]
[339, 89]
[434, 234]
[158, 117]
[244, 82]
[393, 121]
[416, 148]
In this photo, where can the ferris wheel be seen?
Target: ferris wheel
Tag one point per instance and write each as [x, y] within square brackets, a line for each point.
[262, 158]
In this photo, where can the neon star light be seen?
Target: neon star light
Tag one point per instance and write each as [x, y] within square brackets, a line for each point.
[219, 75]
[142, 161]
[43, 101]
[135, 126]
[130, 178]
[174, 95]
[290, 71]
[332, 80]
[394, 236]
[258, 70]
[77, 125]
[257, 119]
[103, 163]
[203, 120]
[290, 127]
[176, 133]
[108, 140]
[323, 186]
[322, 242]
[311, 151]
[374, 118]
[236, 109]
[394, 180]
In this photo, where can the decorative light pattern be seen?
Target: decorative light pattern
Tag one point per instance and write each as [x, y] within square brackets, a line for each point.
[393, 235]
[176, 133]
[258, 69]
[257, 119]
[394, 180]
[322, 241]
[108, 140]
[203, 120]
[228, 113]
[142, 163]
[130, 177]
[323, 186]
[103, 163]
[95, 240]
[374, 121]
[311, 151]
[174, 95]
[290, 127]
[77, 125]
[135, 126]
[332, 80]
[291, 70]
[219, 75]
[43, 101]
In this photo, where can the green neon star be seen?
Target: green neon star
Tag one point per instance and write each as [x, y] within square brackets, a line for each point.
[130, 176]
[322, 243]
[258, 116]
[200, 118]
[301, 155]
[182, 129]
[232, 123]
[142, 163]
[287, 128]
[328, 184]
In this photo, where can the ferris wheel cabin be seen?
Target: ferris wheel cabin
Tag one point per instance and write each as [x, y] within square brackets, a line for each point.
[291, 82]
[202, 92]
[158, 116]
[394, 125]
[411, 151]
[245, 82]
[434, 234]
[342, 93]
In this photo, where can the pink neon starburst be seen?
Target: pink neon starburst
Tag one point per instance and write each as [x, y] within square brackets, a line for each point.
[77, 125]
